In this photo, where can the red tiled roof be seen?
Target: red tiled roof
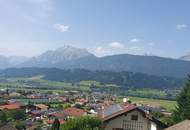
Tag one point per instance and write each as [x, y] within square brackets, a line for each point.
[58, 115]
[11, 106]
[74, 112]
[128, 106]
[60, 120]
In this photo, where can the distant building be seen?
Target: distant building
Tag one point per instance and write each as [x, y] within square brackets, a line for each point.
[184, 125]
[37, 110]
[11, 106]
[14, 94]
[74, 112]
[128, 117]
[40, 107]
[59, 115]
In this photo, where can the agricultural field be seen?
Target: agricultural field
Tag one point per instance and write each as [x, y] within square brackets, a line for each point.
[153, 93]
[37, 83]
[168, 104]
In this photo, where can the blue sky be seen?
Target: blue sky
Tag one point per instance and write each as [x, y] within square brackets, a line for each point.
[104, 27]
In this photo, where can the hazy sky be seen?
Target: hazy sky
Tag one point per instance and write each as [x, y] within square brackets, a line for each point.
[104, 27]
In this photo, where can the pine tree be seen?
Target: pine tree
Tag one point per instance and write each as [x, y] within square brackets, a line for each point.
[182, 111]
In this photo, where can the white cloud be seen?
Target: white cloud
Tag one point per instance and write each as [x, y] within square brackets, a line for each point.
[101, 51]
[116, 45]
[61, 27]
[134, 40]
[180, 27]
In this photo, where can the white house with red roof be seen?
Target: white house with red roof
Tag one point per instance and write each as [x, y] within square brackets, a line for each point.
[128, 117]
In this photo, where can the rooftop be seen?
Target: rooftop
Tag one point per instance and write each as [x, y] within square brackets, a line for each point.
[184, 125]
[41, 106]
[74, 112]
[11, 106]
[115, 110]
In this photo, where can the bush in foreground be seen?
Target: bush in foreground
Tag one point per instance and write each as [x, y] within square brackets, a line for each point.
[82, 123]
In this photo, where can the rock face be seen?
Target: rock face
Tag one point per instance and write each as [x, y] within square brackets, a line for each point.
[59, 57]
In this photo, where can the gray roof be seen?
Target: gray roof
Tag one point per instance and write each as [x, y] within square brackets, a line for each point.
[112, 109]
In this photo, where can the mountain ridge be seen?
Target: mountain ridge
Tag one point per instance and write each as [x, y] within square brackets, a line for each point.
[10, 61]
[69, 57]
[185, 57]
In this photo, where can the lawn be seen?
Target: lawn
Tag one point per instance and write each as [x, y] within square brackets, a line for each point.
[168, 104]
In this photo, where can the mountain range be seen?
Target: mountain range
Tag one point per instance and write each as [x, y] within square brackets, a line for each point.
[69, 57]
[11, 61]
[186, 57]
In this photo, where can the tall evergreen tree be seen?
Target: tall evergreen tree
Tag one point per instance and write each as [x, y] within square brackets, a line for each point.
[182, 111]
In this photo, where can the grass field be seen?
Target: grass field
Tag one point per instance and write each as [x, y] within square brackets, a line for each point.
[169, 105]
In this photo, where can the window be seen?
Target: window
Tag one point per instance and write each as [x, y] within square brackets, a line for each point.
[134, 117]
[132, 125]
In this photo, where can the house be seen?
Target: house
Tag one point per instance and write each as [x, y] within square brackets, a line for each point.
[81, 101]
[128, 117]
[37, 111]
[40, 107]
[59, 115]
[61, 99]
[11, 106]
[184, 125]
[14, 94]
[74, 112]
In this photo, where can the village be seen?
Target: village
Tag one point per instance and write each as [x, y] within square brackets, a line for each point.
[94, 65]
[40, 109]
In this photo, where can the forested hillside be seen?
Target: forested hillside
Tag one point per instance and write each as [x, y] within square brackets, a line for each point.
[124, 79]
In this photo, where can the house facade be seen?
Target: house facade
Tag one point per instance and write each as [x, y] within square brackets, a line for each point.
[131, 118]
